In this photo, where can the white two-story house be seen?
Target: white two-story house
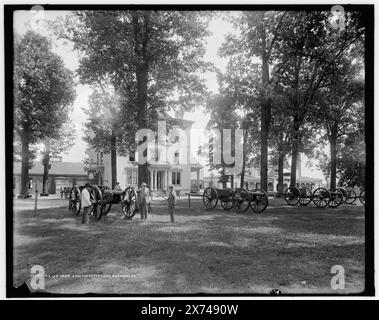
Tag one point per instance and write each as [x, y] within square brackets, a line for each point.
[178, 168]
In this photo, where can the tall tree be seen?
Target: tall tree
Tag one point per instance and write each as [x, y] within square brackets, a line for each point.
[222, 116]
[257, 38]
[280, 137]
[44, 93]
[340, 108]
[154, 58]
[235, 107]
[55, 145]
[310, 49]
[105, 128]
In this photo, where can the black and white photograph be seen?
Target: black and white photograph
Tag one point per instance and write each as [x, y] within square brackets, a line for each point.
[183, 150]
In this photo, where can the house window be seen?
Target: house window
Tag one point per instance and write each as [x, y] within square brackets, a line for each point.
[175, 178]
[132, 156]
[31, 184]
[132, 178]
[270, 187]
[176, 157]
[101, 158]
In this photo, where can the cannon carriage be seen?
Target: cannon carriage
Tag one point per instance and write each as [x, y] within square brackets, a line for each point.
[256, 200]
[240, 199]
[350, 196]
[102, 199]
[212, 196]
[321, 197]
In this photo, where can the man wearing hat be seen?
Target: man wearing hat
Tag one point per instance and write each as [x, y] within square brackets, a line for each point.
[143, 200]
[86, 203]
[171, 198]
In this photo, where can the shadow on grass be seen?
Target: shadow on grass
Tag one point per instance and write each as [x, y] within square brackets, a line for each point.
[203, 252]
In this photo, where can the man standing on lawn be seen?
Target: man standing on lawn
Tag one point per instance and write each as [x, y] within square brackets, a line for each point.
[86, 203]
[143, 200]
[171, 198]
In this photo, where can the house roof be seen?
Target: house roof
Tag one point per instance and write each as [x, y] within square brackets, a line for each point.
[163, 115]
[57, 169]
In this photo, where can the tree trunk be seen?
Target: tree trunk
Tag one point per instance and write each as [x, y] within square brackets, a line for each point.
[265, 126]
[265, 109]
[141, 37]
[280, 174]
[46, 167]
[224, 179]
[293, 163]
[113, 160]
[24, 187]
[243, 158]
[333, 160]
[295, 147]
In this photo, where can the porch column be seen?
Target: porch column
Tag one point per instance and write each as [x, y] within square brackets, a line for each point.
[168, 178]
[198, 179]
[155, 179]
[164, 180]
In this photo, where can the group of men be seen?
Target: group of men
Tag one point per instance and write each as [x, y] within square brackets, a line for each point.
[144, 201]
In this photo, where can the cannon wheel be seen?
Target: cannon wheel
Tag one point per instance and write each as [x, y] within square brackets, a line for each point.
[129, 202]
[321, 197]
[305, 196]
[210, 198]
[96, 198]
[227, 202]
[75, 200]
[336, 198]
[106, 206]
[351, 196]
[259, 201]
[362, 197]
[292, 196]
[241, 200]
[344, 194]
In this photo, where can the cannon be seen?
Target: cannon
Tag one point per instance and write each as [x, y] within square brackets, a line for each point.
[321, 197]
[259, 200]
[256, 200]
[350, 196]
[240, 199]
[102, 199]
[211, 196]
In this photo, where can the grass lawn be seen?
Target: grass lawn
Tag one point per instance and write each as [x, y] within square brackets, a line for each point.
[289, 248]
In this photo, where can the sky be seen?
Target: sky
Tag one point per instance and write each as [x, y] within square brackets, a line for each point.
[24, 20]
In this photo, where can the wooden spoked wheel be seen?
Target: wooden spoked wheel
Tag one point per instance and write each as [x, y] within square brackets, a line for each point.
[259, 201]
[107, 201]
[321, 197]
[129, 202]
[336, 198]
[351, 196]
[96, 198]
[344, 194]
[362, 197]
[226, 199]
[210, 198]
[292, 196]
[305, 196]
[75, 200]
[241, 200]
